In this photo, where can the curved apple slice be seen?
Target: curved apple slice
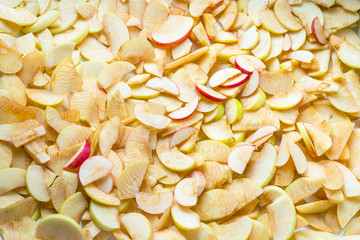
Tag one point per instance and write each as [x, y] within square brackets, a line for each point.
[156, 121]
[318, 31]
[222, 76]
[344, 100]
[184, 218]
[301, 55]
[239, 157]
[233, 110]
[79, 157]
[270, 22]
[248, 38]
[11, 178]
[209, 93]
[137, 225]
[185, 111]
[100, 196]
[107, 183]
[251, 85]
[200, 181]
[116, 31]
[163, 84]
[35, 183]
[284, 101]
[306, 12]
[255, 101]
[44, 97]
[248, 64]
[173, 31]
[219, 130]
[154, 202]
[254, 7]
[181, 135]
[347, 53]
[59, 227]
[236, 81]
[298, 157]
[264, 46]
[185, 192]
[282, 10]
[105, 217]
[93, 169]
[213, 150]
[262, 133]
[172, 158]
[236, 228]
[286, 43]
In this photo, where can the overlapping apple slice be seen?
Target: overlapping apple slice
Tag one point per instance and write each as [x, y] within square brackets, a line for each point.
[185, 111]
[163, 84]
[239, 157]
[154, 202]
[79, 157]
[156, 121]
[210, 93]
[93, 169]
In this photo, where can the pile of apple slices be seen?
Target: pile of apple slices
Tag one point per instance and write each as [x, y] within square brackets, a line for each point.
[168, 119]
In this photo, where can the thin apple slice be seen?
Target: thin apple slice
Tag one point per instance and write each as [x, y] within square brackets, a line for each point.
[137, 225]
[301, 55]
[11, 178]
[251, 85]
[282, 10]
[188, 58]
[233, 110]
[252, 121]
[93, 169]
[213, 150]
[269, 21]
[255, 101]
[185, 192]
[254, 7]
[222, 76]
[163, 84]
[79, 157]
[287, 43]
[303, 187]
[198, 7]
[212, 129]
[257, 172]
[181, 135]
[21, 16]
[74, 206]
[306, 12]
[248, 38]
[105, 217]
[59, 227]
[236, 81]
[111, 73]
[100, 196]
[115, 30]
[131, 52]
[276, 82]
[44, 97]
[155, 202]
[238, 227]
[298, 157]
[318, 31]
[248, 64]
[263, 48]
[209, 93]
[346, 52]
[284, 101]
[185, 111]
[239, 157]
[163, 37]
[156, 121]
[107, 183]
[321, 140]
[35, 183]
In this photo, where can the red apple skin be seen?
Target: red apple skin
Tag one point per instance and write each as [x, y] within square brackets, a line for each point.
[200, 180]
[235, 84]
[207, 95]
[315, 33]
[242, 69]
[210, 8]
[175, 43]
[185, 116]
[80, 158]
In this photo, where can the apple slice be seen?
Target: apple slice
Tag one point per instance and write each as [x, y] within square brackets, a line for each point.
[262, 133]
[185, 111]
[35, 183]
[93, 169]
[248, 38]
[282, 10]
[251, 85]
[156, 121]
[239, 157]
[286, 43]
[79, 157]
[236, 81]
[200, 181]
[154, 202]
[185, 192]
[107, 183]
[59, 227]
[198, 7]
[284, 101]
[115, 30]
[253, 9]
[264, 46]
[105, 217]
[222, 76]
[248, 64]
[163, 84]
[219, 130]
[209, 93]
[100, 196]
[318, 31]
[137, 225]
[181, 135]
[184, 218]
[44, 97]
[173, 31]
[270, 22]
[298, 157]
[235, 228]
[74, 206]
[346, 52]
[301, 55]
[233, 110]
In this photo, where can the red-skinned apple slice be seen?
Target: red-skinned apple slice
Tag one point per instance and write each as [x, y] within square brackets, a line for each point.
[222, 76]
[209, 93]
[200, 181]
[163, 84]
[251, 85]
[237, 81]
[318, 31]
[173, 31]
[181, 135]
[79, 157]
[185, 192]
[185, 111]
[248, 64]
[93, 169]
[106, 183]
[286, 43]
[262, 132]
[239, 157]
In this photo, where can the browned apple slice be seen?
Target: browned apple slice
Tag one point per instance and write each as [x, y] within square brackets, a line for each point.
[136, 50]
[181, 135]
[181, 27]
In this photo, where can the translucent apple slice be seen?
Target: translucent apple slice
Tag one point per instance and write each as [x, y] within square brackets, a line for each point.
[11, 178]
[282, 10]
[197, 8]
[248, 38]
[181, 135]
[344, 100]
[222, 76]
[209, 93]
[154, 202]
[236, 81]
[301, 55]
[263, 48]
[163, 84]
[185, 111]
[318, 31]
[276, 82]
[59, 227]
[298, 157]
[219, 130]
[137, 225]
[181, 26]
[200, 181]
[184, 218]
[321, 140]
[233, 110]
[156, 121]
[303, 187]
[105, 217]
[239, 157]
[238, 227]
[35, 183]
[185, 192]
[115, 30]
[93, 169]
[248, 64]
[21, 16]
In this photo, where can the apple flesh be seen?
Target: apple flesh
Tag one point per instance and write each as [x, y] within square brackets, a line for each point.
[234, 82]
[79, 157]
[200, 181]
[318, 31]
[185, 111]
[209, 93]
[163, 84]
[251, 85]
[181, 135]
[222, 76]
[239, 157]
[262, 132]
[93, 169]
[185, 192]
[248, 64]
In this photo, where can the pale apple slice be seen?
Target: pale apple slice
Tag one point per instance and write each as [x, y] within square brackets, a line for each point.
[251, 85]
[344, 100]
[306, 12]
[297, 39]
[156, 121]
[233, 110]
[286, 43]
[137, 225]
[215, 114]
[209, 93]
[275, 82]
[284, 101]
[301, 55]
[58, 53]
[181, 26]
[298, 157]
[282, 10]
[198, 7]
[255, 101]
[185, 111]
[263, 132]
[185, 192]
[248, 64]
[269, 21]
[248, 38]
[20, 16]
[79, 157]
[200, 33]
[100, 196]
[59, 227]
[107, 183]
[35, 183]
[238, 227]
[74, 206]
[213, 150]
[115, 30]
[351, 187]
[263, 168]
[181, 135]
[154, 202]
[253, 9]
[200, 181]
[136, 50]
[277, 46]
[322, 142]
[218, 130]
[105, 217]
[313, 85]
[163, 84]
[318, 31]
[308, 143]
[168, 234]
[346, 52]
[283, 153]
[263, 48]
[172, 158]
[184, 218]
[93, 169]
[222, 76]
[188, 58]
[303, 187]
[44, 97]
[239, 157]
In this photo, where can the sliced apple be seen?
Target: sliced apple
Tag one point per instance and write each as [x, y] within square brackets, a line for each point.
[318, 31]
[93, 169]
[251, 85]
[79, 157]
[185, 111]
[198, 7]
[181, 135]
[236, 81]
[211, 130]
[222, 76]
[248, 38]
[200, 181]
[181, 26]
[248, 64]
[185, 192]
[306, 12]
[282, 10]
[253, 10]
[209, 93]
[137, 225]
[74, 206]
[263, 48]
[269, 21]
[115, 30]
[284, 101]
[282, 79]
[35, 183]
[301, 55]
[239, 157]
[154, 202]
[136, 50]
[233, 110]
[107, 183]
[59, 227]
[238, 227]
[105, 217]
[286, 43]
[156, 121]
[263, 132]
[44, 97]
[163, 85]
[346, 52]
[100, 196]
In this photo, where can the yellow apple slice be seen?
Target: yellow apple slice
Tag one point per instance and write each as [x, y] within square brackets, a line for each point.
[306, 12]
[59, 227]
[21, 16]
[58, 53]
[184, 218]
[137, 225]
[269, 21]
[197, 8]
[116, 31]
[100, 196]
[203, 232]
[35, 183]
[74, 206]
[345, 51]
[44, 97]
[303, 187]
[255, 101]
[105, 217]
[282, 10]
[278, 45]
[233, 110]
[239, 227]
[351, 186]
[321, 140]
[27, 207]
[276, 82]
[75, 35]
[11, 178]
[211, 130]
[215, 114]
[43, 22]
[213, 150]
[284, 101]
[93, 169]
[262, 49]
[298, 157]
[91, 49]
[297, 39]
[155, 202]
[10, 59]
[254, 7]
[168, 234]
[156, 121]
[248, 38]
[143, 92]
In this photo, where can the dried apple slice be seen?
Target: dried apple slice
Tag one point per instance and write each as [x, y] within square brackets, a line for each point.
[35, 183]
[238, 227]
[222, 76]
[276, 82]
[11, 178]
[211, 131]
[262, 134]
[93, 169]
[168, 234]
[91, 49]
[306, 12]
[72, 135]
[131, 52]
[137, 225]
[298, 157]
[74, 206]
[351, 187]
[185, 192]
[263, 48]
[248, 38]
[58, 53]
[21, 16]
[163, 84]
[284, 101]
[214, 173]
[156, 121]
[110, 74]
[116, 31]
[181, 135]
[155, 202]
[321, 140]
[282, 10]
[44, 97]
[10, 59]
[301, 55]
[252, 121]
[198, 7]
[100, 196]
[106, 217]
[210, 93]
[345, 51]
[59, 227]
[228, 17]
[254, 7]
[79, 157]
[269, 21]
[303, 187]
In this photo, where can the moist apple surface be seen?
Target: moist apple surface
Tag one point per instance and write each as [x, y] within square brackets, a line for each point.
[172, 119]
